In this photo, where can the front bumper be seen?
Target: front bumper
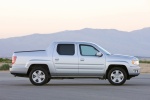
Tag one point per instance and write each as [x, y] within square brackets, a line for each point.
[134, 70]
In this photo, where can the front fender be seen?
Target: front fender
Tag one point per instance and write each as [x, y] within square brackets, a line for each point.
[125, 63]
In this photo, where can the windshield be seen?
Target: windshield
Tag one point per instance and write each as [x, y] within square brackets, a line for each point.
[108, 53]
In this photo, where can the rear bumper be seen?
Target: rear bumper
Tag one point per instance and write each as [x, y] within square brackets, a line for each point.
[18, 70]
[20, 74]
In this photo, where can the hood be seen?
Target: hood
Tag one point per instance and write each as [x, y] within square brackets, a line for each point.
[119, 57]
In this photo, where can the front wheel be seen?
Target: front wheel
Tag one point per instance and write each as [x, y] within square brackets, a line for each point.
[117, 76]
[38, 76]
[48, 80]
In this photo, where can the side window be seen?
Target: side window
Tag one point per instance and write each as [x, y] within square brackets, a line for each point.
[87, 50]
[66, 49]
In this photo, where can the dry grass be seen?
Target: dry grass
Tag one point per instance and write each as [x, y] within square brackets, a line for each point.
[145, 67]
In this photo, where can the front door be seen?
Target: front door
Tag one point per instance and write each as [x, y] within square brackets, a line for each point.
[89, 63]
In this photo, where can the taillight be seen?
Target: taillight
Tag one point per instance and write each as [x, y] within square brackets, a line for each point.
[14, 59]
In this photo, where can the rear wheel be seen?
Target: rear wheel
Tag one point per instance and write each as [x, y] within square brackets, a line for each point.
[38, 76]
[117, 76]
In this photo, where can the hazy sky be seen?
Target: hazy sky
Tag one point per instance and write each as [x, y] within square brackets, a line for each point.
[21, 17]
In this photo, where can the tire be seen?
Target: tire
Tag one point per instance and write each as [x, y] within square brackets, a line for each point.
[48, 80]
[38, 76]
[117, 76]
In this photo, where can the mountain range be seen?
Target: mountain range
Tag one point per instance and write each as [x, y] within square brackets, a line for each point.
[136, 43]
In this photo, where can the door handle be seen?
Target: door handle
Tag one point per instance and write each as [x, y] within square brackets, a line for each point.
[82, 59]
[56, 59]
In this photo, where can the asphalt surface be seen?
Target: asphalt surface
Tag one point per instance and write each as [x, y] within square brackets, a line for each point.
[15, 88]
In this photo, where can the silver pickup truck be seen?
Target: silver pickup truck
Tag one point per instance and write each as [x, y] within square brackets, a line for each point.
[69, 60]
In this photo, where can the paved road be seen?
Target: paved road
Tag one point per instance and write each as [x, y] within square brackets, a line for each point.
[14, 88]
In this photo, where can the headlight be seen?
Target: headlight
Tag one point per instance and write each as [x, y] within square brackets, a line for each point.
[135, 62]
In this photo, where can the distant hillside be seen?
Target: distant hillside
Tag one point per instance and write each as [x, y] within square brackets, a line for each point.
[135, 43]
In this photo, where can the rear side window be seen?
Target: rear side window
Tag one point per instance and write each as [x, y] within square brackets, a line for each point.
[66, 49]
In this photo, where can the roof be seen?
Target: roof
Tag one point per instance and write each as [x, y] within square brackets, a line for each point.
[73, 42]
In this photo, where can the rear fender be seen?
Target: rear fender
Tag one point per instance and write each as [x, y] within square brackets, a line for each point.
[46, 62]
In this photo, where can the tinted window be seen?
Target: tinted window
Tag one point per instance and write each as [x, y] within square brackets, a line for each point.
[66, 49]
[87, 50]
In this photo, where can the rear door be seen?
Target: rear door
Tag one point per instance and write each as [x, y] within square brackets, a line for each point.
[89, 63]
[65, 59]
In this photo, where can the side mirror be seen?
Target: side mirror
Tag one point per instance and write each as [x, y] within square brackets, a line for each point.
[99, 54]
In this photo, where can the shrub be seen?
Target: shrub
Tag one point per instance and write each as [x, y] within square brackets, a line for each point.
[5, 67]
[1, 59]
[144, 61]
[5, 60]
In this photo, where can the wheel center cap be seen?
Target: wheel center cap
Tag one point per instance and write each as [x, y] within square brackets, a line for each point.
[38, 76]
[117, 76]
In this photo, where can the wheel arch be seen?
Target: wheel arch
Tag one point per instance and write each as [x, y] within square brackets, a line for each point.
[116, 65]
[45, 66]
